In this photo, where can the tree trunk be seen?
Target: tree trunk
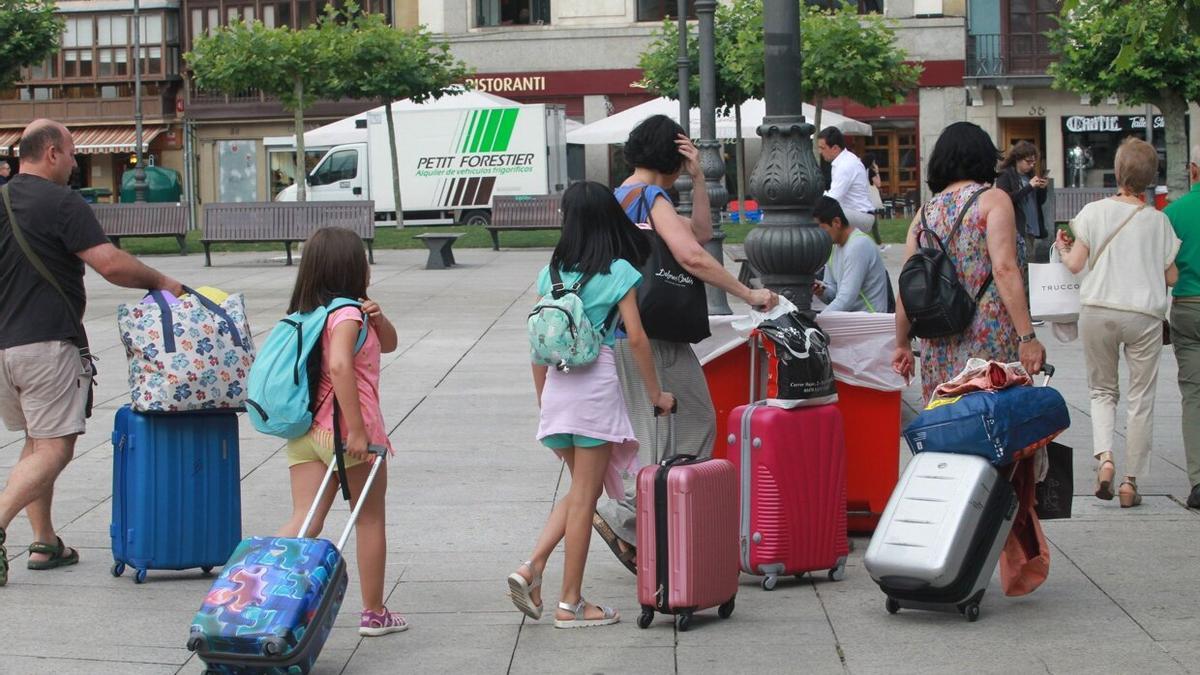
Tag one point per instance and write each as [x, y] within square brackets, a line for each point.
[1174, 108]
[391, 124]
[741, 164]
[301, 166]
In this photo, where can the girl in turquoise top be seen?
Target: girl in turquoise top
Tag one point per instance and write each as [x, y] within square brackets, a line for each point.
[583, 417]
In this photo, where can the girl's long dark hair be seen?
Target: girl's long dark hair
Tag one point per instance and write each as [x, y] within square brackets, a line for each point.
[596, 231]
[334, 265]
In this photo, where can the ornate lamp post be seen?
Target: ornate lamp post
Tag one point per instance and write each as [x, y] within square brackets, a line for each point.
[684, 184]
[711, 160]
[139, 171]
[788, 247]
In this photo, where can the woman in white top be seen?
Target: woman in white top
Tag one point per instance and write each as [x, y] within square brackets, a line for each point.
[1129, 252]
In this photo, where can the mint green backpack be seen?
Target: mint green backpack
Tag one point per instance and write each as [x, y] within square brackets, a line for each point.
[560, 333]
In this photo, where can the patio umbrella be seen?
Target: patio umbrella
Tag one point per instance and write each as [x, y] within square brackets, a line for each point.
[616, 128]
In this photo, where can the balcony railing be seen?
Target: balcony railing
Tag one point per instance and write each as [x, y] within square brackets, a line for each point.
[1006, 55]
[201, 97]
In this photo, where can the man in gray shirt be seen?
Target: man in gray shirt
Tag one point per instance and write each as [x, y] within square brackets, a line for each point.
[855, 279]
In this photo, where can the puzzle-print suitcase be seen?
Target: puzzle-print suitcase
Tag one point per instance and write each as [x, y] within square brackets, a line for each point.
[274, 605]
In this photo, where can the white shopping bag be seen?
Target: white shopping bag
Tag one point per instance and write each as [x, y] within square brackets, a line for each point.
[1053, 291]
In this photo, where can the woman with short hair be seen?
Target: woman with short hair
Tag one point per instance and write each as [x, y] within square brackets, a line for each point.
[1129, 253]
[984, 252]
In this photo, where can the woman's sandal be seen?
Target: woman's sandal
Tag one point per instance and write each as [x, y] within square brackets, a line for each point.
[3, 559]
[625, 552]
[1104, 485]
[58, 555]
[610, 616]
[1131, 497]
[520, 591]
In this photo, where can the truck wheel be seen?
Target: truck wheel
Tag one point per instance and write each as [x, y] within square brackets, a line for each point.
[478, 218]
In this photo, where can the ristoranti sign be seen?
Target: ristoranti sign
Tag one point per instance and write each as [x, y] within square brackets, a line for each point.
[1079, 124]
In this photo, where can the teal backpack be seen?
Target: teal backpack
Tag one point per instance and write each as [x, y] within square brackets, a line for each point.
[560, 333]
[278, 392]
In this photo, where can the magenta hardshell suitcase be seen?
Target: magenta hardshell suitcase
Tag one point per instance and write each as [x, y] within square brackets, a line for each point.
[791, 466]
[686, 538]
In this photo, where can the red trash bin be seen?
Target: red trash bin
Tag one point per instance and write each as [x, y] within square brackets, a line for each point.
[872, 452]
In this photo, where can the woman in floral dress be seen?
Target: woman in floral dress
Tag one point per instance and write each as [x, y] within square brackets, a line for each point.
[984, 251]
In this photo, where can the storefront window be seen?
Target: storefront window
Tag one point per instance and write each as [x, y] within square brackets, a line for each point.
[511, 12]
[1090, 143]
[657, 10]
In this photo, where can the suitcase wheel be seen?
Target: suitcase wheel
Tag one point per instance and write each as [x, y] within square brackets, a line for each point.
[645, 618]
[726, 610]
[207, 570]
[685, 621]
[118, 569]
[140, 577]
[972, 612]
[769, 581]
[892, 605]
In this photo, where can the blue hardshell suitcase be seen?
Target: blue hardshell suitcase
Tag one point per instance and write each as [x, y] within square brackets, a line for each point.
[274, 605]
[176, 491]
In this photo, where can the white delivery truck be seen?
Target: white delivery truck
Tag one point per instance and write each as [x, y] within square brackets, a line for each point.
[452, 162]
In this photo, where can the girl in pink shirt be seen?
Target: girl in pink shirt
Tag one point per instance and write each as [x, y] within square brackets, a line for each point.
[335, 266]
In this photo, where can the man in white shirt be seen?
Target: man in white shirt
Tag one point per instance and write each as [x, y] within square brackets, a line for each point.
[849, 184]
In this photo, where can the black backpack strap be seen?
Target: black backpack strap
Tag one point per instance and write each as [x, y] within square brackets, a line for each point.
[559, 289]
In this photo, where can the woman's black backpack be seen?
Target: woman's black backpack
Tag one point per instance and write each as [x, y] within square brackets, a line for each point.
[934, 299]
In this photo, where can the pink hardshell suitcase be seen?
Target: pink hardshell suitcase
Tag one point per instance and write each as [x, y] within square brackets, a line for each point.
[686, 538]
[792, 472]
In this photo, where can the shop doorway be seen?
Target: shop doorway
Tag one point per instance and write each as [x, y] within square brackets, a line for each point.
[1025, 129]
[895, 153]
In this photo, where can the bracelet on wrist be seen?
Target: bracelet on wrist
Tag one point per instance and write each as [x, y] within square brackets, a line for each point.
[1027, 338]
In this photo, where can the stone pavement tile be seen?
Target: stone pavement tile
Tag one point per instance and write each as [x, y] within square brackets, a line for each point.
[789, 656]
[469, 649]
[1086, 508]
[1147, 567]
[593, 660]
[47, 665]
[1186, 652]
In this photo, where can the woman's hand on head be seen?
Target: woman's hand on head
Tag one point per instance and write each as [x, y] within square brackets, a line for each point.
[691, 156]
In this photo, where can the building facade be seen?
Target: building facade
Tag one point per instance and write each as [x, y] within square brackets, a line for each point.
[1009, 94]
[88, 85]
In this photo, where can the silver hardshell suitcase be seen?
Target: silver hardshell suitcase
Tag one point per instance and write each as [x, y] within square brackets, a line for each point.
[941, 535]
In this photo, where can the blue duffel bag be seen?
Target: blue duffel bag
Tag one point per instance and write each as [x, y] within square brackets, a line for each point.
[996, 425]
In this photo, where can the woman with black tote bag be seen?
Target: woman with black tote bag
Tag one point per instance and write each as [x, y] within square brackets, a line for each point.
[673, 308]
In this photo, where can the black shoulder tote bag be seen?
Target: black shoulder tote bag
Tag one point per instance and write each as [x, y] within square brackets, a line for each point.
[671, 301]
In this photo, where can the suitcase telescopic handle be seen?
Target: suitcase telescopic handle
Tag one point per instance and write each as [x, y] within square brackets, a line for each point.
[1048, 371]
[659, 412]
[380, 453]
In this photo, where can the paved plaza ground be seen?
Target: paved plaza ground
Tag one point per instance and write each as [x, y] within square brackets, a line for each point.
[469, 489]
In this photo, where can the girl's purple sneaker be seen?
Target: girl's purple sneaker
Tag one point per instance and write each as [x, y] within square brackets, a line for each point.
[375, 624]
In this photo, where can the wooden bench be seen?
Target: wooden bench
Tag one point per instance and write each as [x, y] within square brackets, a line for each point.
[144, 220]
[287, 222]
[746, 272]
[440, 244]
[523, 212]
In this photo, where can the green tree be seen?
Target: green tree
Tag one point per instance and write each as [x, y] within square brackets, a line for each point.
[853, 56]
[1094, 58]
[29, 32]
[660, 68]
[380, 62]
[296, 66]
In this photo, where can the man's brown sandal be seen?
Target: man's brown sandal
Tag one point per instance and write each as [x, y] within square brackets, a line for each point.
[59, 556]
[626, 553]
